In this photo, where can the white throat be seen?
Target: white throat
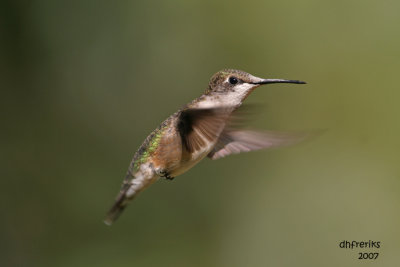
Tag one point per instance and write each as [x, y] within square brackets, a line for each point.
[233, 98]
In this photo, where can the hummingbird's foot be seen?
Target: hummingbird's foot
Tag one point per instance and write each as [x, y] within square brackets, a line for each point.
[169, 177]
[166, 175]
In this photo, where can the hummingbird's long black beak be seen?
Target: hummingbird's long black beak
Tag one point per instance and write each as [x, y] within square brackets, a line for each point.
[266, 81]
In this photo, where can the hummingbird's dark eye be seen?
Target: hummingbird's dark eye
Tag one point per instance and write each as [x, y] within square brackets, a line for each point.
[233, 80]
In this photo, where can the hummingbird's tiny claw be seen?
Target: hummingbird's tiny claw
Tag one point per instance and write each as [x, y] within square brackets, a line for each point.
[165, 174]
[169, 177]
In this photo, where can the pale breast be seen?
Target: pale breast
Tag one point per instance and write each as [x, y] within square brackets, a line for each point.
[188, 160]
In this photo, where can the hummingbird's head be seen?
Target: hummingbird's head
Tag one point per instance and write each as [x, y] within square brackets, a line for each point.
[239, 83]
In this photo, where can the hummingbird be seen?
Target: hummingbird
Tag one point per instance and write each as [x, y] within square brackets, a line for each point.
[205, 127]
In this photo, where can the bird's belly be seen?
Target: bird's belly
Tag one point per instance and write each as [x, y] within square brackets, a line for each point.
[188, 161]
[184, 166]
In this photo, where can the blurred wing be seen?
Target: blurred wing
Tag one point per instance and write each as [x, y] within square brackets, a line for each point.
[238, 141]
[198, 127]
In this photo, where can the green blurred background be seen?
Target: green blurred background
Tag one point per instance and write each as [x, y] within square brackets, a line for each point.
[84, 82]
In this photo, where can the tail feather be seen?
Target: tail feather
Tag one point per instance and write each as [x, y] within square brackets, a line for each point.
[121, 201]
[132, 185]
[119, 206]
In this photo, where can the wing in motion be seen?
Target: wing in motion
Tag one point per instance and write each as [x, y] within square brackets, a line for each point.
[199, 126]
[238, 141]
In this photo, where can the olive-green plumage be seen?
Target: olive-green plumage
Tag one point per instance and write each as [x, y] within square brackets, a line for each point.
[147, 149]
